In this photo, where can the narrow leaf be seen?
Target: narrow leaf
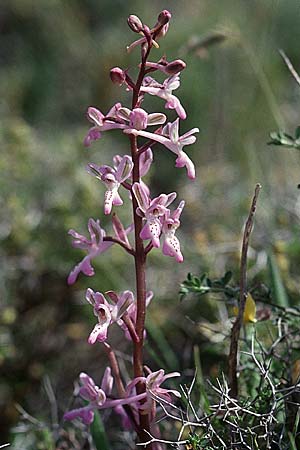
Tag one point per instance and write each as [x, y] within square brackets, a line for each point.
[98, 433]
[278, 289]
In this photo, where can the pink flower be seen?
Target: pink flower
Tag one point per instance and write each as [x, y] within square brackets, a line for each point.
[94, 246]
[102, 123]
[154, 392]
[151, 211]
[139, 119]
[165, 91]
[145, 161]
[93, 394]
[97, 398]
[170, 138]
[106, 312]
[171, 245]
[112, 178]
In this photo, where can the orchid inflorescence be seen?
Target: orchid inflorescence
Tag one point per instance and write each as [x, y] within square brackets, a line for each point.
[154, 225]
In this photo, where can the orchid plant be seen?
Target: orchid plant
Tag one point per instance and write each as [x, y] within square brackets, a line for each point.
[154, 220]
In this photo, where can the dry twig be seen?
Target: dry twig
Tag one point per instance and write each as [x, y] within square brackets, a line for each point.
[235, 334]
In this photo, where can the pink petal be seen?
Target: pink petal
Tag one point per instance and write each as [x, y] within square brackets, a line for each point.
[184, 161]
[92, 135]
[99, 333]
[95, 116]
[124, 169]
[84, 266]
[141, 196]
[174, 131]
[152, 230]
[107, 381]
[146, 160]
[156, 119]
[86, 414]
[95, 231]
[108, 201]
[119, 229]
[171, 247]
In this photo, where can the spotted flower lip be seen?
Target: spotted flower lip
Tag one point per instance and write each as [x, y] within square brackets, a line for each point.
[171, 245]
[139, 119]
[165, 91]
[151, 211]
[172, 141]
[94, 246]
[112, 177]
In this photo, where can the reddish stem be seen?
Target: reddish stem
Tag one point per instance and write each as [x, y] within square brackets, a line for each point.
[115, 369]
[128, 322]
[149, 248]
[121, 243]
[140, 266]
[118, 380]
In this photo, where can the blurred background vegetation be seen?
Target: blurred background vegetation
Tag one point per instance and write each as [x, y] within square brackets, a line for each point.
[55, 59]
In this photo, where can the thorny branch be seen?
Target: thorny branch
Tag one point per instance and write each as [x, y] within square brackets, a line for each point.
[290, 66]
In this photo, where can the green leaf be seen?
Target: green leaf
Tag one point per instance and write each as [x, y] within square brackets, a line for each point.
[278, 289]
[203, 398]
[98, 433]
[281, 138]
[297, 132]
[203, 277]
[227, 277]
[292, 441]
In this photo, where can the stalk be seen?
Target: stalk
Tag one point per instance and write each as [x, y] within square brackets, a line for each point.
[140, 266]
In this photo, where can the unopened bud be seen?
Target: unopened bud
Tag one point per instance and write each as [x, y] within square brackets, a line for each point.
[164, 17]
[117, 75]
[147, 32]
[175, 66]
[135, 23]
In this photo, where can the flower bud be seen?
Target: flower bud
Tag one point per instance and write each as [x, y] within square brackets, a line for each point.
[164, 17]
[147, 33]
[175, 66]
[117, 75]
[135, 23]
